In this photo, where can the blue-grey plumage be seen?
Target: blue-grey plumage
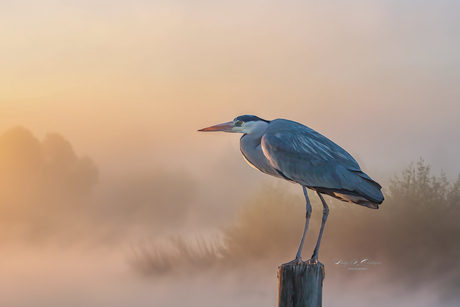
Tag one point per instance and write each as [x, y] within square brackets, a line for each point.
[312, 160]
[294, 152]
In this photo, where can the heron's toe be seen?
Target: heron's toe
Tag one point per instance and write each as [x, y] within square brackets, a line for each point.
[314, 261]
[295, 261]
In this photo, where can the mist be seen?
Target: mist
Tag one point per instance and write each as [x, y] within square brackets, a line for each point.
[147, 230]
[109, 196]
[417, 254]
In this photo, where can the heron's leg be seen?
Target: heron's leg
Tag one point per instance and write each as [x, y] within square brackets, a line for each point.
[307, 222]
[314, 257]
[298, 256]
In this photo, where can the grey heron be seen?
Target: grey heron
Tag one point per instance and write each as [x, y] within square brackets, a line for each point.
[296, 153]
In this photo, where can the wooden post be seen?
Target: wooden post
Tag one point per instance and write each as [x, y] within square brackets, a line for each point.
[300, 285]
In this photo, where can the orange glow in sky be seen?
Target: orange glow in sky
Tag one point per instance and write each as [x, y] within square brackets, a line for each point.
[123, 86]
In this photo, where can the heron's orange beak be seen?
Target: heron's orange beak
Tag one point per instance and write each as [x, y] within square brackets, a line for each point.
[220, 127]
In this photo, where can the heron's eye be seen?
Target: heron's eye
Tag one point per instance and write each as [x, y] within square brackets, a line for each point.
[239, 123]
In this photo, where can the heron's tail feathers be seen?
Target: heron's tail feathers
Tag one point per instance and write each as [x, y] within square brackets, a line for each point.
[358, 189]
[359, 200]
[364, 191]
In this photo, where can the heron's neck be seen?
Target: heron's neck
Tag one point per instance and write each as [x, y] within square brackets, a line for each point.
[257, 129]
[255, 134]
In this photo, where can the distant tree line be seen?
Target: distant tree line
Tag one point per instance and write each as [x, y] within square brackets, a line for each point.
[416, 185]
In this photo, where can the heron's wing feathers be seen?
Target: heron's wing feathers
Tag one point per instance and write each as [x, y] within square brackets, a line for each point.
[307, 157]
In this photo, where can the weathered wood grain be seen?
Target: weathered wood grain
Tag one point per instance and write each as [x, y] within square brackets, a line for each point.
[300, 285]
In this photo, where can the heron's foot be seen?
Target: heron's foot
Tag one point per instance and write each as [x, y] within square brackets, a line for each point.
[314, 261]
[297, 260]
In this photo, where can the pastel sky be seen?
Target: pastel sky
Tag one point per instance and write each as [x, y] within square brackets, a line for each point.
[129, 83]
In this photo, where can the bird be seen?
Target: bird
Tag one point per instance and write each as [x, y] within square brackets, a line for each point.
[294, 152]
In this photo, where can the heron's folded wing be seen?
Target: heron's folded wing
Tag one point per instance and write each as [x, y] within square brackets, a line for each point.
[309, 158]
[300, 166]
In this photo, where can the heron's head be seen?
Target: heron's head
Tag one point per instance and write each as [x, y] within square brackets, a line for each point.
[249, 124]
